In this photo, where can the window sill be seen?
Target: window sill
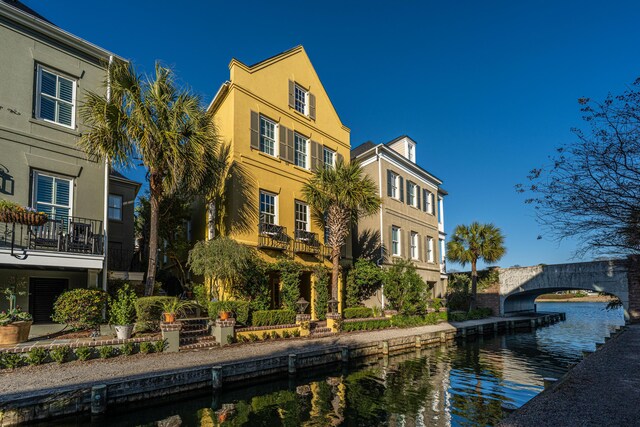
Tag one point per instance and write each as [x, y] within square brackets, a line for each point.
[302, 169]
[54, 126]
[268, 156]
[306, 116]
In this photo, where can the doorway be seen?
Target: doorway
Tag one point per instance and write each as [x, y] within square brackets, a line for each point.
[43, 293]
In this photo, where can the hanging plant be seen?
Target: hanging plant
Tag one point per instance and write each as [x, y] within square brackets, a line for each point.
[14, 213]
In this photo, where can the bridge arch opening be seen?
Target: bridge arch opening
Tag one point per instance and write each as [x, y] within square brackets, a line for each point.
[526, 301]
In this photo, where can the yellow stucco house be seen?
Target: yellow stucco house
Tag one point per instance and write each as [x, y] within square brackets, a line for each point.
[280, 125]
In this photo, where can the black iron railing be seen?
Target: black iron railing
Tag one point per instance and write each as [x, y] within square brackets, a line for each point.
[306, 242]
[58, 234]
[124, 260]
[272, 236]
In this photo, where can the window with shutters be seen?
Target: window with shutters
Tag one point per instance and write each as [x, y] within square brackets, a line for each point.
[52, 195]
[268, 137]
[329, 158]
[412, 198]
[302, 216]
[301, 100]
[414, 245]
[395, 241]
[268, 208]
[115, 207]
[301, 150]
[393, 182]
[55, 98]
[430, 256]
[430, 203]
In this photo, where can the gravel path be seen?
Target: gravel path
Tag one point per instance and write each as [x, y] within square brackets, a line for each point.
[602, 390]
[51, 375]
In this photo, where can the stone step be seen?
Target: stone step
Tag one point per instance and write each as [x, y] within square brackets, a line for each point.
[192, 320]
[196, 339]
[194, 332]
[199, 346]
[318, 331]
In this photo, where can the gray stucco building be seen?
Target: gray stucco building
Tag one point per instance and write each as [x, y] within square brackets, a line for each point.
[44, 72]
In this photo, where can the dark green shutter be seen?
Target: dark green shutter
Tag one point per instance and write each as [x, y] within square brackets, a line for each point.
[408, 185]
[312, 106]
[255, 130]
[283, 142]
[389, 182]
[290, 146]
[424, 200]
[417, 196]
[401, 188]
[292, 100]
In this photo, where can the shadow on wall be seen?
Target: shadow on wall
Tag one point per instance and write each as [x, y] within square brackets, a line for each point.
[368, 246]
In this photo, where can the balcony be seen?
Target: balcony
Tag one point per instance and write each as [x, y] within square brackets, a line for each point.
[306, 242]
[64, 234]
[124, 260]
[271, 236]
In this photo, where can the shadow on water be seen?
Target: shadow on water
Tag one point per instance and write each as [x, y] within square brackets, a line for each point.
[460, 385]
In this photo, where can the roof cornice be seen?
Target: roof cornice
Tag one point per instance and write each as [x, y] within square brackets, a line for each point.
[55, 33]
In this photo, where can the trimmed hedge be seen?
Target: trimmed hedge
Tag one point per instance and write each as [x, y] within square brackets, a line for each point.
[273, 317]
[478, 313]
[240, 309]
[411, 321]
[366, 325]
[149, 312]
[358, 312]
[80, 308]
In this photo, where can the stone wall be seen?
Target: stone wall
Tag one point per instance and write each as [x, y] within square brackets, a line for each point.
[633, 277]
[490, 298]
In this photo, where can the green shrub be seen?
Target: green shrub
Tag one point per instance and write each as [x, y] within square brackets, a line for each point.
[286, 334]
[404, 289]
[146, 347]
[357, 313]
[60, 354]
[11, 360]
[289, 282]
[436, 304]
[266, 335]
[321, 285]
[253, 337]
[36, 356]
[273, 317]
[128, 348]
[231, 339]
[160, 346]
[413, 321]
[106, 351]
[363, 281]
[201, 296]
[457, 317]
[296, 333]
[148, 312]
[122, 310]
[241, 338]
[366, 325]
[241, 310]
[84, 353]
[80, 308]
[274, 335]
[479, 313]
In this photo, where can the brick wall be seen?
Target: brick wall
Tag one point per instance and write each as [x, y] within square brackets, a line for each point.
[490, 298]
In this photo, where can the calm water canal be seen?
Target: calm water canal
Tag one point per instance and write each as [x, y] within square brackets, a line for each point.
[459, 385]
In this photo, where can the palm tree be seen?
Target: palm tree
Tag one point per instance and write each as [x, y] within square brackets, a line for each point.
[154, 121]
[472, 243]
[337, 197]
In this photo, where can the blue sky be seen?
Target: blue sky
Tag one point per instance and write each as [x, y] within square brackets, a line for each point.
[487, 89]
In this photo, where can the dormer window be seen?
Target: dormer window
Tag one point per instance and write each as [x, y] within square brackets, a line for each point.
[301, 102]
[411, 152]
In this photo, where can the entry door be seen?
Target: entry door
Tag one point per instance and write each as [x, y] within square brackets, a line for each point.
[42, 294]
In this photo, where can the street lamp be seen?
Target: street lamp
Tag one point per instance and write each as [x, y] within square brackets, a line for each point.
[333, 305]
[302, 305]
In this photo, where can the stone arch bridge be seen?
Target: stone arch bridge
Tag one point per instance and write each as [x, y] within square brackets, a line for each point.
[520, 286]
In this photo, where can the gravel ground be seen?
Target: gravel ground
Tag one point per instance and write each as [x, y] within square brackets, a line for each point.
[602, 390]
[50, 376]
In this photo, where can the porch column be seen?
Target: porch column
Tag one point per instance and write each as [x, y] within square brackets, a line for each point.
[93, 279]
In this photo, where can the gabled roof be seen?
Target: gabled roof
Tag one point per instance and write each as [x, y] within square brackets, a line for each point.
[365, 146]
[114, 174]
[394, 140]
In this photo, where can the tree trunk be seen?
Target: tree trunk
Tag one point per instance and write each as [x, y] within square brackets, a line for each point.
[154, 204]
[335, 271]
[474, 285]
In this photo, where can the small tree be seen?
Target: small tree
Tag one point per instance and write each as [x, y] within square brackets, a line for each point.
[404, 289]
[363, 280]
[472, 243]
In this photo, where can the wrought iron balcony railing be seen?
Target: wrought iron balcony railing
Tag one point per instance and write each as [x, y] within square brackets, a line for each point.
[306, 242]
[58, 234]
[124, 260]
[272, 236]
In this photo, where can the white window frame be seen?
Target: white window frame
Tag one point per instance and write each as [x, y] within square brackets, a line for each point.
[307, 223]
[305, 143]
[442, 251]
[440, 210]
[411, 152]
[430, 254]
[118, 208]
[394, 186]
[297, 89]
[396, 241]
[57, 100]
[430, 209]
[412, 197]
[53, 196]
[275, 136]
[326, 151]
[275, 207]
[415, 251]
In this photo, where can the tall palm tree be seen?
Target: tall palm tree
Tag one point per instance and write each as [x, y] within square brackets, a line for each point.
[337, 197]
[152, 120]
[472, 243]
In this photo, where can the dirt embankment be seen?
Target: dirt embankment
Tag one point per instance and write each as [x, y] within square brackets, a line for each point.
[569, 298]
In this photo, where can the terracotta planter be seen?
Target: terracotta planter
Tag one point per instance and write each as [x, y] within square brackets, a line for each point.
[224, 315]
[169, 317]
[15, 332]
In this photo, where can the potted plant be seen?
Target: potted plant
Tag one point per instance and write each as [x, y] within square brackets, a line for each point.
[15, 324]
[173, 307]
[11, 212]
[122, 312]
